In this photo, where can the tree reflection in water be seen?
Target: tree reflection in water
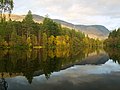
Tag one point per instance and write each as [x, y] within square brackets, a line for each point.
[114, 54]
[30, 63]
[3, 84]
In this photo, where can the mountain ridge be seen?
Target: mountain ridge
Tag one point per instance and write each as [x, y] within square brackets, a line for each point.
[93, 31]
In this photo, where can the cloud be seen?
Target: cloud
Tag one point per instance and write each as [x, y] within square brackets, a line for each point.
[103, 12]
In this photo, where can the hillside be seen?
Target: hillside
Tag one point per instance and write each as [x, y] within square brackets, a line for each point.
[93, 31]
[96, 31]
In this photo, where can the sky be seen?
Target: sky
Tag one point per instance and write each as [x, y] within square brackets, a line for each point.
[86, 12]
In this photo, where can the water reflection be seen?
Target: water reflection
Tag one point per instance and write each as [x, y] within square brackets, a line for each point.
[30, 63]
[3, 84]
[114, 54]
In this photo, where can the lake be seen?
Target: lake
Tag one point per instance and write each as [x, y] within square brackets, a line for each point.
[45, 69]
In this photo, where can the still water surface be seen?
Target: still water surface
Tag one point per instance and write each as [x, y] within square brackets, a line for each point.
[87, 69]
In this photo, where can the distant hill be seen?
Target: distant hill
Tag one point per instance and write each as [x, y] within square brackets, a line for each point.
[93, 31]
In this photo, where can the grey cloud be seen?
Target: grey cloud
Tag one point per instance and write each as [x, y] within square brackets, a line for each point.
[81, 11]
[85, 7]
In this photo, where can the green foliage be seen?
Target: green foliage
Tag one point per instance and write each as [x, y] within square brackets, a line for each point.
[44, 40]
[28, 18]
[33, 40]
[113, 39]
[50, 27]
[27, 24]
[114, 54]
[48, 34]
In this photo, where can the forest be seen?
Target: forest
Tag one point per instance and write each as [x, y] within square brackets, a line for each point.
[48, 34]
[113, 39]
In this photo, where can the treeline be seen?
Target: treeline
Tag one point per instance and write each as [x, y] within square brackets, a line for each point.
[114, 54]
[29, 34]
[113, 39]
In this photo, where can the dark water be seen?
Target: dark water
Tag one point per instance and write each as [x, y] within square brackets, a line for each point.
[84, 69]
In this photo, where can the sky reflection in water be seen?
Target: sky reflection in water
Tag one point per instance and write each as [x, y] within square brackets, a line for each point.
[74, 76]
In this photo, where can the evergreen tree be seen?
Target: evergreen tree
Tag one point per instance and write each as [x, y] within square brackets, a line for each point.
[113, 39]
[50, 27]
[27, 24]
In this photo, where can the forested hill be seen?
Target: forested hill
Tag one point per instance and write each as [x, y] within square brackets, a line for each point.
[93, 31]
[26, 33]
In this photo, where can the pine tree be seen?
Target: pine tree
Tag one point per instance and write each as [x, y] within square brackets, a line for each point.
[27, 24]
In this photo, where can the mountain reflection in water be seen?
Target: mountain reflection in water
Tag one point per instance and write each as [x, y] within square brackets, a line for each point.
[25, 70]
